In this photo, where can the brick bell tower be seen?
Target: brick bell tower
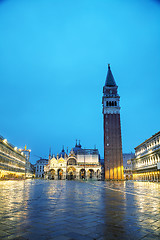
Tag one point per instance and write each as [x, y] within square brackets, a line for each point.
[113, 160]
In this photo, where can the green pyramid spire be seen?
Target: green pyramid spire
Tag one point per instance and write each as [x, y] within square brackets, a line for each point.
[110, 82]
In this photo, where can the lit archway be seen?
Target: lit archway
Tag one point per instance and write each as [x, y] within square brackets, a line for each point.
[52, 174]
[60, 174]
[71, 173]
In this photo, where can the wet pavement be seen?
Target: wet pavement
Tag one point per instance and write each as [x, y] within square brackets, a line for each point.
[63, 210]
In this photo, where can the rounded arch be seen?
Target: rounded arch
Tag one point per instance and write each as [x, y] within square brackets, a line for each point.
[90, 173]
[61, 160]
[71, 173]
[60, 174]
[52, 173]
[72, 161]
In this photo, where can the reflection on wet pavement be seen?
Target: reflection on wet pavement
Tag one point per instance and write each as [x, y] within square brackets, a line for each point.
[61, 210]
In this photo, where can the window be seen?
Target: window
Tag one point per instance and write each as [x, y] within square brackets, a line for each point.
[71, 161]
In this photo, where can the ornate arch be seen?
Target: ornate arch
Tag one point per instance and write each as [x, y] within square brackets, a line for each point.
[72, 161]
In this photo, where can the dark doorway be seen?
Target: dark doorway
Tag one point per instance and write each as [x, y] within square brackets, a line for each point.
[82, 174]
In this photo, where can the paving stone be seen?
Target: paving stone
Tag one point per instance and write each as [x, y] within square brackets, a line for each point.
[72, 210]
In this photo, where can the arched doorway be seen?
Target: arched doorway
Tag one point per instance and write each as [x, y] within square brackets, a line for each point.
[60, 174]
[52, 174]
[82, 174]
[90, 173]
[71, 173]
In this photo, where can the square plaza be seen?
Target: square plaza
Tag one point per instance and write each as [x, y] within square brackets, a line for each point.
[38, 209]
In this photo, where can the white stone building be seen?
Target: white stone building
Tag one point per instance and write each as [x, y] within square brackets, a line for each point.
[146, 164]
[39, 167]
[79, 164]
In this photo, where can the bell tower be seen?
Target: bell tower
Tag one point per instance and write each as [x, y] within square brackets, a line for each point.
[113, 160]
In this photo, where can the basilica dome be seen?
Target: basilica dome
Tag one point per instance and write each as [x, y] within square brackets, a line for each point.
[62, 153]
[77, 148]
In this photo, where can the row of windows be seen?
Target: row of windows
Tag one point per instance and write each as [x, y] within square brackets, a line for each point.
[40, 167]
[7, 160]
[148, 146]
[147, 162]
[111, 103]
[12, 154]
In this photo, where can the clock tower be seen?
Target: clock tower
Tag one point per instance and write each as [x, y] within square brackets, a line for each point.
[113, 160]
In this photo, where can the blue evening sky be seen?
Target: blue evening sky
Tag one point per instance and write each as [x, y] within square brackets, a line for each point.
[53, 65]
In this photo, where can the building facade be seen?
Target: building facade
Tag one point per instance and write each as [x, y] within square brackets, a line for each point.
[113, 160]
[39, 167]
[29, 167]
[12, 161]
[127, 165]
[146, 164]
[79, 164]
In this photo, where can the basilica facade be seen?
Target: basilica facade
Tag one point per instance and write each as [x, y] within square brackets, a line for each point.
[78, 164]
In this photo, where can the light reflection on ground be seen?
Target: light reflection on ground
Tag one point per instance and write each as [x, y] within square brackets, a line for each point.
[38, 209]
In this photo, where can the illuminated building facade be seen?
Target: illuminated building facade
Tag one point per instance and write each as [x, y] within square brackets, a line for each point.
[146, 164]
[12, 161]
[79, 164]
[127, 165]
[113, 160]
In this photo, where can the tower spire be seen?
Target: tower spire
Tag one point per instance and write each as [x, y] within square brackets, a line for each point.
[49, 153]
[113, 160]
[110, 82]
[63, 148]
